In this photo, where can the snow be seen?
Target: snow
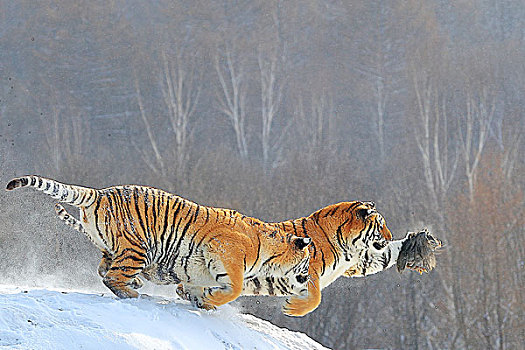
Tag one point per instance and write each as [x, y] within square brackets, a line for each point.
[50, 319]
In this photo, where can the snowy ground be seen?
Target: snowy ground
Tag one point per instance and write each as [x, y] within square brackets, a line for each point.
[46, 319]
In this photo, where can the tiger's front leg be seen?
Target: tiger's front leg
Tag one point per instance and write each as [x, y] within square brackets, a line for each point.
[228, 272]
[301, 305]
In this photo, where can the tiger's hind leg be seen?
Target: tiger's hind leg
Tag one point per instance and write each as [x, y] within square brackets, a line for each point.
[106, 261]
[104, 266]
[69, 219]
[122, 274]
[194, 295]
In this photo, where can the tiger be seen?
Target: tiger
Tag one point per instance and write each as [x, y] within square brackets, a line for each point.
[213, 254]
[349, 239]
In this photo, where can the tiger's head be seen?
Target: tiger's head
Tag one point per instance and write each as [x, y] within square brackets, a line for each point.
[368, 218]
[351, 223]
[288, 262]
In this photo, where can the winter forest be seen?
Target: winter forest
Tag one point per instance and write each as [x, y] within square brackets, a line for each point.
[276, 109]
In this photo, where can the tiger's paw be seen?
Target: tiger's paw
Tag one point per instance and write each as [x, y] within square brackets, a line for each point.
[417, 252]
[136, 283]
[200, 303]
[195, 300]
[299, 306]
[182, 293]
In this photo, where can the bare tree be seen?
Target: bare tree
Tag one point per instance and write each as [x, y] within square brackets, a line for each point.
[232, 95]
[314, 121]
[157, 166]
[474, 130]
[271, 78]
[432, 138]
[378, 63]
[65, 128]
[180, 89]
[431, 133]
[179, 85]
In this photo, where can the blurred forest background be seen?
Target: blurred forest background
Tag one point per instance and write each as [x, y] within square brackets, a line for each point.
[278, 108]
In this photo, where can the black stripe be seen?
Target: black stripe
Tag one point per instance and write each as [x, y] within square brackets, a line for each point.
[294, 228]
[303, 225]
[82, 195]
[137, 210]
[219, 275]
[386, 258]
[160, 204]
[271, 258]
[196, 213]
[146, 216]
[282, 286]
[91, 193]
[97, 222]
[339, 235]
[269, 282]
[162, 233]
[125, 250]
[33, 180]
[113, 216]
[358, 236]
[75, 196]
[64, 195]
[352, 206]
[188, 213]
[48, 184]
[125, 268]
[183, 233]
[154, 211]
[258, 253]
[124, 203]
[55, 189]
[257, 285]
[125, 214]
[170, 256]
[169, 246]
[332, 247]
[332, 212]
[24, 181]
[129, 257]
[365, 263]
[40, 182]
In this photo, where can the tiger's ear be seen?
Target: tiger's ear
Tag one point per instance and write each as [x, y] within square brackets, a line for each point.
[301, 242]
[364, 213]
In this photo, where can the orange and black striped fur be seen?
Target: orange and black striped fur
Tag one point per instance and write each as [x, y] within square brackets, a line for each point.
[212, 253]
[348, 238]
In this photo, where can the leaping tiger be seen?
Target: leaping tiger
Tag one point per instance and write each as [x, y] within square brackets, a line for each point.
[213, 253]
[348, 239]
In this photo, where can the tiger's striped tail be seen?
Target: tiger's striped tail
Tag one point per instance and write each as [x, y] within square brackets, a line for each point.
[70, 194]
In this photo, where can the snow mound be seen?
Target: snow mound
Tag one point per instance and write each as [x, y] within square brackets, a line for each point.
[46, 319]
